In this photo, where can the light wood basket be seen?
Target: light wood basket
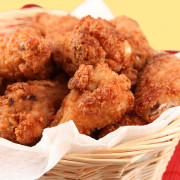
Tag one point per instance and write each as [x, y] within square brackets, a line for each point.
[141, 159]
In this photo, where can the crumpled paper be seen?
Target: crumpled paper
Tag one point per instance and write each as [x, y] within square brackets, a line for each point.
[95, 8]
[20, 162]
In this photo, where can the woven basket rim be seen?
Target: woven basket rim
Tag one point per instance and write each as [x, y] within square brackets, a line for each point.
[33, 10]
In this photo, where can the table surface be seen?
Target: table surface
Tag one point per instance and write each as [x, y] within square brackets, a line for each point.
[158, 19]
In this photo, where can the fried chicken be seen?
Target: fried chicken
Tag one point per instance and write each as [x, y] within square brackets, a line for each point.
[56, 30]
[98, 97]
[132, 74]
[61, 51]
[130, 29]
[130, 119]
[95, 40]
[90, 42]
[46, 22]
[159, 87]
[27, 108]
[25, 54]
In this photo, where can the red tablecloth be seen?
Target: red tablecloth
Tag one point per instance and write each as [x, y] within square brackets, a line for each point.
[173, 168]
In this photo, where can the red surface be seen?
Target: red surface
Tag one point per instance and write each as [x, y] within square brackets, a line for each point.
[173, 168]
[30, 6]
[173, 52]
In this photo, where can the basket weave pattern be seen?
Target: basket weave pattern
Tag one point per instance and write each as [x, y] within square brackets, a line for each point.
[144, 159]
[141, 159]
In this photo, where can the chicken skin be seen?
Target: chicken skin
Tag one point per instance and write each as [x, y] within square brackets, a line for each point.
[56, 29]
[95, 40]
[46, 22]
[25, 54]
[130, 119]
[90, 42]
[159, 87]
[27, 108]
[98, 97]
[61, 50]
[130, 29]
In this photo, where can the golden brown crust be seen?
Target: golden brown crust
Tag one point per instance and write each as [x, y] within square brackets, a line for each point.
[108, 129]
[95, 40]
[24, 53]
[98, 97]
[27, 108]
[132, 74]
[90, 42]
[130, 29]
[61, 50]
[46, 22]
[159, 87]
[57, 30]
[130, 119]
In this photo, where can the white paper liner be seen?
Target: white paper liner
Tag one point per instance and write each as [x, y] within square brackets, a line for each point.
[21, 162]
[95, 8]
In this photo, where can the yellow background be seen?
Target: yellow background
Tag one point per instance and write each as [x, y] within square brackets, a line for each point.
[159, 19]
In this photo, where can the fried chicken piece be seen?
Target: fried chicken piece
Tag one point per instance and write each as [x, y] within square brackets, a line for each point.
[159, 87]
[130, 119]
[132, 74]
[61, 51]
[98, 97]
[46, 22]
[27, 108]
[130, 29]
[91, 41]
[95, 40]
[56, 30]
[24, 53]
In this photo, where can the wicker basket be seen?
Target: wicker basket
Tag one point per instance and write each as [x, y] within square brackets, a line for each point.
[141, 159]
[125, 161]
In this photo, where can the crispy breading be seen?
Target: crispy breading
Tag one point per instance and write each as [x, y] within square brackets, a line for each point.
[61, 50]
[130, 119]
[27, 108]
[95, 40]
[24, 53]
[46, 22]
[132, 74]
[56, 30]
[130, 29]
[98, 97]
[90, 42]
[159, 87]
